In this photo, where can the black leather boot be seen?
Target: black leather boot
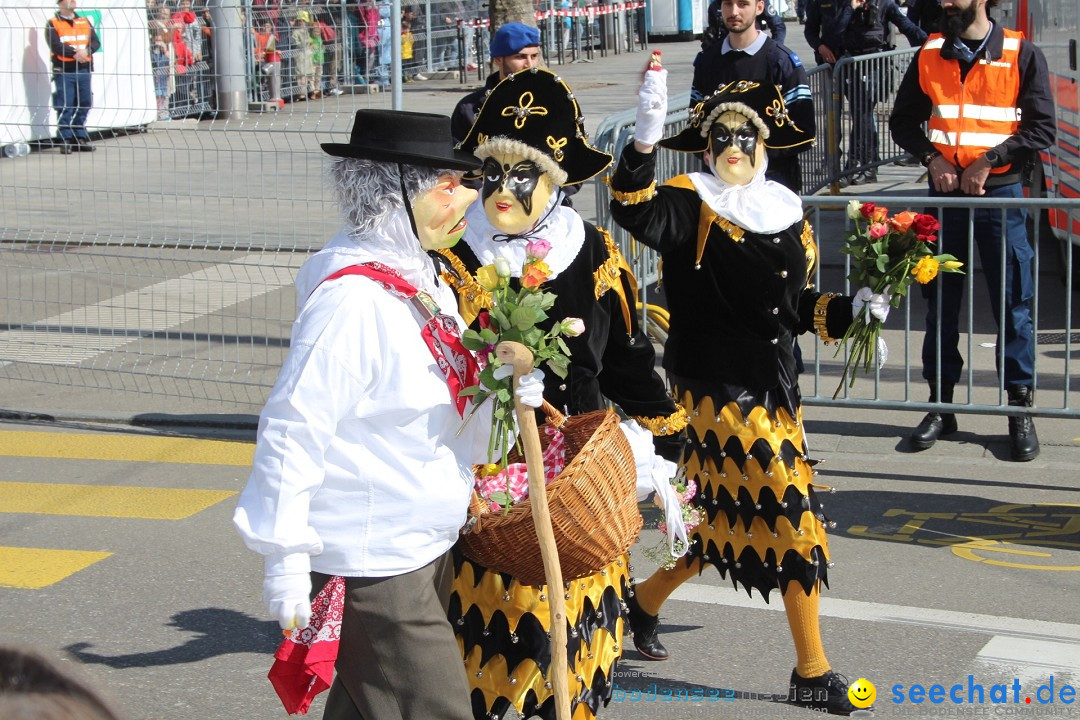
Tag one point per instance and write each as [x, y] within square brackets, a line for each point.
[644, 626]
[934, 425]
[1023, 442]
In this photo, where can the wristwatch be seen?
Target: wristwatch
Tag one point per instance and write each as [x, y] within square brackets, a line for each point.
[993, 157]
[928, 157]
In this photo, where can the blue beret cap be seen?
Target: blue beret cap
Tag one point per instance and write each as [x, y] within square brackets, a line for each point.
[512, 38]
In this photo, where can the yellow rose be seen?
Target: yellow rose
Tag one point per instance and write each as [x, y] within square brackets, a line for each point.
[487, 277]
[926, 270]
[952, 265]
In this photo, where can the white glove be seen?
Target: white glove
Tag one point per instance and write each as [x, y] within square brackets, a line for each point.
[530, 389]
[288, 599]
[867, 302]
[652, 107]
[654, 474]
[882, 352]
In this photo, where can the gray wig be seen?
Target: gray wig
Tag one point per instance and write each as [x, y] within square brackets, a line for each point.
[368, 192]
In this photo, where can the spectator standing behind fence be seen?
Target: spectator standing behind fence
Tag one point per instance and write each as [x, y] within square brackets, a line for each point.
[835, 28]
[160, 62]
[746, 53]
[268, 60]
[318, 57]
[767, 19]
[72, 43]
[985, 93]
[514, 46]
[303, 64]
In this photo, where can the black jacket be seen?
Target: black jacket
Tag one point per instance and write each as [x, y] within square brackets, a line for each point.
[856, 32]
[733, 318]
[1035, 100]
[608, 361]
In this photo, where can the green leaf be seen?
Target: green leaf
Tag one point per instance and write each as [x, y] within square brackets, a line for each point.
[488, 336]
[559, 365]
[524, 318]
[882, 262]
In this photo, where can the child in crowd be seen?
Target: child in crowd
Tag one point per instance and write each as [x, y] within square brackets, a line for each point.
[161, 63]
[303, 65]
[407, 54]
[318, 57]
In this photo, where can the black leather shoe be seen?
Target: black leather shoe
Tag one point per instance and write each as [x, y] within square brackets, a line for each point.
[933, 426]
[84, 145]
[824, 693]
[1023, 442]
[643, 626]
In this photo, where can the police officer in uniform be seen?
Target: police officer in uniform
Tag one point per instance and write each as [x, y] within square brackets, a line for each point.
[746, 53]
[835, 28]
[715, 30]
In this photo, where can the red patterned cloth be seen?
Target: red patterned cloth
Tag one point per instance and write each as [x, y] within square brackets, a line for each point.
[518, 475]
[304, 662]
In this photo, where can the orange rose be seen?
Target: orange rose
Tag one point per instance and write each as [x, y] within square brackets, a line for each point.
[879, 214]
[902, 221]
[534, 274]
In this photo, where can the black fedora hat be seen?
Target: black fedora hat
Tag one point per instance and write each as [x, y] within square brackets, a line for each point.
[762, 103]
[412, 138]
[533, 113]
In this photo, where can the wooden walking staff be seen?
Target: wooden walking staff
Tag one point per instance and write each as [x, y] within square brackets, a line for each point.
[521, 359]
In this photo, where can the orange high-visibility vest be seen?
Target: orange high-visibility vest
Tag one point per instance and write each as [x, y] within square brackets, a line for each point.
[970, 117]
[77, 33]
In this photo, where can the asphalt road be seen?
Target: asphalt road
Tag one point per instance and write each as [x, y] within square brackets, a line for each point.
[118, 557]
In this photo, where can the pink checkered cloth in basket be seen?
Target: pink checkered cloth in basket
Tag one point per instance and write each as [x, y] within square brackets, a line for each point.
[518, 474]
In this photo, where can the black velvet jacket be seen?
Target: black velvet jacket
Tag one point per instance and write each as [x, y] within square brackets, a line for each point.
[610, 359]
[735, 312]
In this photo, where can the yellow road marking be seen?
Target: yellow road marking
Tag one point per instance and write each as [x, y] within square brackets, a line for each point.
[124, 448]
[33, 568]
[106, 501]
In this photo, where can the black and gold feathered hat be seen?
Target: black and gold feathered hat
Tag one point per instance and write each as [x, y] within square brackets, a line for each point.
[534, 114]
[761, 102]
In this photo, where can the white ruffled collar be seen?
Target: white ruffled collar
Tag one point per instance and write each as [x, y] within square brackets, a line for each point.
[761, 206]
[560, 225]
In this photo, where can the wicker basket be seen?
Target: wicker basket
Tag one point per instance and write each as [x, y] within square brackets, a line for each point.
[593, 506]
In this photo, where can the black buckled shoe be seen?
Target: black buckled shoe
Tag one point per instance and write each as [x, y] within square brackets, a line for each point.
[824, 693]
[933, 426]
[643, 627]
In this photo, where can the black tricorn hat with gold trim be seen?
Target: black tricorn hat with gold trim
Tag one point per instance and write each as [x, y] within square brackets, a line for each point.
[534, 114]
[761, 102]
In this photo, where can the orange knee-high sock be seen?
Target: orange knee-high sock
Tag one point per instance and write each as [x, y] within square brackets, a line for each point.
[652, 593]
[802, 615]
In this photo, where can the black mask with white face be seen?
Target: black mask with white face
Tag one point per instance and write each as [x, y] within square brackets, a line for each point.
[744, 137]
[521, 179]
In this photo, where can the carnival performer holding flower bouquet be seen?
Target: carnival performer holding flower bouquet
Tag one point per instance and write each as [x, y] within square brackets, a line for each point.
[888, 253]
[530, 137]
[737, 257]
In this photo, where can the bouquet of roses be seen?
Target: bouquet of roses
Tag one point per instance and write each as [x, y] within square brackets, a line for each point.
[514, 316]
[671, 548]
[888, 253]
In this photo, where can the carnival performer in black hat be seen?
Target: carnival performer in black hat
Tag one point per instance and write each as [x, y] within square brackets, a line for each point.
[737, 261]
[363, 473]
[530, 136]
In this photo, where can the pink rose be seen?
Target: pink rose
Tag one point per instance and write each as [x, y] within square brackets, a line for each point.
[538, 249]
[879, 230]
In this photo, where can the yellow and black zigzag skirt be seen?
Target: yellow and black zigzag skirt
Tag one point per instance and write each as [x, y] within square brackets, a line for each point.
[501, 627]
[764, 525]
